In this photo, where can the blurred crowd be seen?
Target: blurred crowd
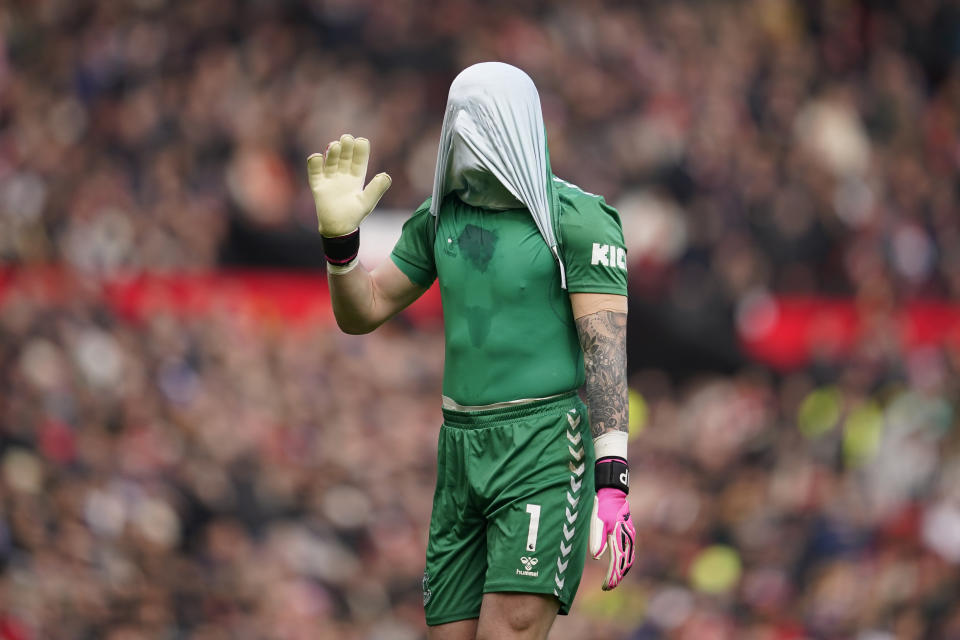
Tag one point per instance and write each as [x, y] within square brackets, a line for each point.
[208, 478]
[793, 146]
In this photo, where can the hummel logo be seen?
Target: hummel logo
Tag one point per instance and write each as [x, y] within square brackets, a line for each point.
[528, 564]
[427, 593]
[609, 256]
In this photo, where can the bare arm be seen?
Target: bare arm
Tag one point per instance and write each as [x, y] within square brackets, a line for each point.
[602, 324]
[363, 300]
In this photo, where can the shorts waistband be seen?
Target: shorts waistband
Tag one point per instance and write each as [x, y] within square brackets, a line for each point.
[507, 413]
[450, 403]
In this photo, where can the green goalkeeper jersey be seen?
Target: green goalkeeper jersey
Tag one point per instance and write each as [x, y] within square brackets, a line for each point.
[509, 327]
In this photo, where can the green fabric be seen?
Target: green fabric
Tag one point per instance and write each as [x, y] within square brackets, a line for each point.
[511, 508]
[509, 328]
[413, 253]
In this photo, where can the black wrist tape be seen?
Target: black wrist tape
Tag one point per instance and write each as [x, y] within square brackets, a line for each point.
[612, 472]
[341, 249]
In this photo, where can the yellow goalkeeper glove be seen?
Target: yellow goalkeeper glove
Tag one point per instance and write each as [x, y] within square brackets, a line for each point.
[337, 183]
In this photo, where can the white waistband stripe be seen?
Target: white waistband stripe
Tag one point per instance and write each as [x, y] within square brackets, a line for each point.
[453, 405]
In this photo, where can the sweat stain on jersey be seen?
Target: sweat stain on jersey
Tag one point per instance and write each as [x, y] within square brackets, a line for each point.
[478, 320]
[478, 245]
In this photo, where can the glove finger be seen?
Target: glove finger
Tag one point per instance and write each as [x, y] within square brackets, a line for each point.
[598, 542]
[628, 538]
[332, 162]
[622, 548]
[374, 190]
[610, 580]
[314, 164]
[361, 153]
[346, 152]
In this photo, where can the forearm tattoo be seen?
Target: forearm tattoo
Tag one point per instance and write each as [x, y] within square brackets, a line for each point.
[603, 338]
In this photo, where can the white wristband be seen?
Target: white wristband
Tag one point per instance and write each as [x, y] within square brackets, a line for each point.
[340, 269]
[611, 443]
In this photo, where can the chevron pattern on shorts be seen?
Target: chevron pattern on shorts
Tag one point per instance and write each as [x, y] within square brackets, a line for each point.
[577, 466]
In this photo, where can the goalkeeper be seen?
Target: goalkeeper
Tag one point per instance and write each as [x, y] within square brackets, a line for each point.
[532, 275]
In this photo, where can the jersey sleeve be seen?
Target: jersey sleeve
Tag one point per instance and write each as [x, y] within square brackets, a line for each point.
[413, 253]
[594, 253]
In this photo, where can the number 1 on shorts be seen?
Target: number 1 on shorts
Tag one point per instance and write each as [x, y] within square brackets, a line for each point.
[534, 511]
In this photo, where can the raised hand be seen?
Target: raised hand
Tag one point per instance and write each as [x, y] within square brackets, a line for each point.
[336, 180]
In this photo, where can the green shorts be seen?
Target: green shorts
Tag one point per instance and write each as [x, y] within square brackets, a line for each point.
[512, 506]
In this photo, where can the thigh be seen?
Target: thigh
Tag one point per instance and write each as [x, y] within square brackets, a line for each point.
[459, 630]
[516, 616]
[538, 526]
[457, 548]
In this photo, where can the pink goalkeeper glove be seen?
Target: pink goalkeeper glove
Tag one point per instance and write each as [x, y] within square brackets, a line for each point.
[612, 528]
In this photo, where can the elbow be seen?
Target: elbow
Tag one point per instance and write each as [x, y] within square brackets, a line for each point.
[355, 331]
[354, 327]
